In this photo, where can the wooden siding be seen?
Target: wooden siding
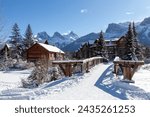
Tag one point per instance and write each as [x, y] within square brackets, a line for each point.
[38, 52]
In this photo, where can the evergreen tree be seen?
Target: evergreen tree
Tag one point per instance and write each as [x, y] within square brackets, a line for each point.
[96, 49]
[102, 45]
[134, 30]
[29, 39]
[137, 46]
[16, 42]
[16, 37]
[38, 76]
[130, 45]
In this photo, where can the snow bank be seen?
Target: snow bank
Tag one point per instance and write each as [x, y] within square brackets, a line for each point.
[100, 83]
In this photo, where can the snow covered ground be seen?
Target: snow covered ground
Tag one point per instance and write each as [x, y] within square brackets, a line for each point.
[100, 83]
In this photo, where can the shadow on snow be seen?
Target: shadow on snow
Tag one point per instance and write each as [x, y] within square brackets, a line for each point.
[108, 83]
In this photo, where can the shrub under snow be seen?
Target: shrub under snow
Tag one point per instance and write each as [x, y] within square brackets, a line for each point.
[40, 75]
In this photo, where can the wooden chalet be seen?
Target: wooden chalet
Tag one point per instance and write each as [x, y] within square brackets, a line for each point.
[44, 51]
[5, 49]
[111, 46]
[114, 47]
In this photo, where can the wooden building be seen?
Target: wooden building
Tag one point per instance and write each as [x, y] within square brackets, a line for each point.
[44, 51]
[114, 47]
[5, 50]
[111, 47]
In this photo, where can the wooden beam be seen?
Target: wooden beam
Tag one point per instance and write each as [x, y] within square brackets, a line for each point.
[129, 67]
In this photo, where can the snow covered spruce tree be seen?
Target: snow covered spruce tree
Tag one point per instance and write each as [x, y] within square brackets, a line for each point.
[41, 74]
[16, 40]
[28, 40]
[132, 48]
[102, 46]
[129, 45]
[38, 76]
[138, 48]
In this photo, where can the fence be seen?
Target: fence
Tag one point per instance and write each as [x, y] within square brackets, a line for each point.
[69, 66]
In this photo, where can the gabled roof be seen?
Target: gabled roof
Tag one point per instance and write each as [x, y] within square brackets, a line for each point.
[9, 45]
[51, 48]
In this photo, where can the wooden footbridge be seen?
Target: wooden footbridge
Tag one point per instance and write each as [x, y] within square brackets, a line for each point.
[68, 66]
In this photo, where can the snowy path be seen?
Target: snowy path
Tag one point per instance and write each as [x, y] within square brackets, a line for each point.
[99, 84]
[86, 88]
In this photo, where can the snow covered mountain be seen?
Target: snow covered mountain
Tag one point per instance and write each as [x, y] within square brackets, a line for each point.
[115, 30]
[72, 36]
[76, 44]
[42, 36]
[60, 40]
[142, 28]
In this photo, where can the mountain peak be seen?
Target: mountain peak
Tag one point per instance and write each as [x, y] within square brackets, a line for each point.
[146, 21]
[57, 35]
[71, 32]
[43, 35]
[115, 28]
[68, 33]
[71, 35]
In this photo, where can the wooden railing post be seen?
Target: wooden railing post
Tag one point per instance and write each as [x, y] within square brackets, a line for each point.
[87, 67]
[129, 67]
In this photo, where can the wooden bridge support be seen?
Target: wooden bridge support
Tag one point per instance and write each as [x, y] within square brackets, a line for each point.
[128, 67]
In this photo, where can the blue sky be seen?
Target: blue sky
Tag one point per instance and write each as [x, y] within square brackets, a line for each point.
[80, 16]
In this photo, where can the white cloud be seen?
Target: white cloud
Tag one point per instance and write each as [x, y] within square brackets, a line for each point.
[83, 11]
[129, 13]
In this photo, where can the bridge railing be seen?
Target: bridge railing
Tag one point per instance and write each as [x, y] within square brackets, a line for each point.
[71, 66]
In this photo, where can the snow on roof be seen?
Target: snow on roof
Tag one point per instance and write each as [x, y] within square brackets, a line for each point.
[112, 39]
[51, 48]
[9, 45]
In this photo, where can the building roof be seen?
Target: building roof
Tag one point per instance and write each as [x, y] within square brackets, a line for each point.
[9, 45]
[112, 39]
[51, 48]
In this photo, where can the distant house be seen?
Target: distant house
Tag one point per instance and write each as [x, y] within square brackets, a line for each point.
[5, 49]
[111, 46]
[44, 51]
[114, 47]
[2, 46]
